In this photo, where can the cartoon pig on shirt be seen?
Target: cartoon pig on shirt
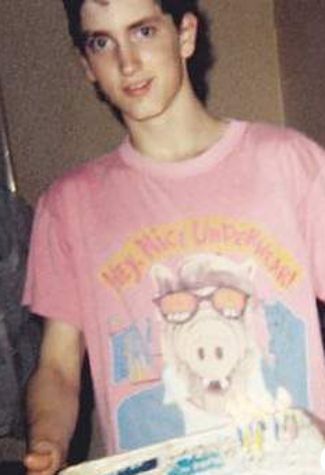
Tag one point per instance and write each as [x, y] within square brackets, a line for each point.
[212, 363]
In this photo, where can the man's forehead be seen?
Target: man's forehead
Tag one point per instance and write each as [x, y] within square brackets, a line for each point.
[97, 14]
[104, 3]
[108, 2]
[100, 2]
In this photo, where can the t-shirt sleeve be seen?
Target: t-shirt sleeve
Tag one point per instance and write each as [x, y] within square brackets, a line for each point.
[314, 210]
[51, 284]
[311, 181]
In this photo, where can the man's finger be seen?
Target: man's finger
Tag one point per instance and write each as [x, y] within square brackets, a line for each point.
[38, 461]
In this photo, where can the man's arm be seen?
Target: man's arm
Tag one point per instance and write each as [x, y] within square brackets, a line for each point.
[53, 398]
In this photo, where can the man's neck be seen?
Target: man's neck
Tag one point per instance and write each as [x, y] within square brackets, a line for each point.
[181, 133]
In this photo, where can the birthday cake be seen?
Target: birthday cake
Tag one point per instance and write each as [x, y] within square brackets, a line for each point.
[284, 443]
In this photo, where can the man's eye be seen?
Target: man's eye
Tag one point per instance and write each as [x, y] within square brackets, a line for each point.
[98, 43]
[145, 32]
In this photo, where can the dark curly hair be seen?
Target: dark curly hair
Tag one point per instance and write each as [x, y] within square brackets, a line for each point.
[198, 65]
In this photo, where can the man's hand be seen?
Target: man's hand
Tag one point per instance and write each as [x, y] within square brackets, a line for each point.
[44, 458]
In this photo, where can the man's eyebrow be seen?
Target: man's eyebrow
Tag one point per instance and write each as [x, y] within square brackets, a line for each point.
[144, 21]
[87, 34]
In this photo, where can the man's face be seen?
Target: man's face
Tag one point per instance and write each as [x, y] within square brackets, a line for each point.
[136, 54]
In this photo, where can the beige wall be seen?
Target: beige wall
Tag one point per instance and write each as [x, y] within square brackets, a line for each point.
[245, 81]
[54, 120]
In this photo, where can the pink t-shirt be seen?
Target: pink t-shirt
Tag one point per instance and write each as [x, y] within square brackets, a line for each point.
[194, 282]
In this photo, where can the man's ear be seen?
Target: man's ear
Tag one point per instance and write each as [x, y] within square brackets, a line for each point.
[187, 34]
[87, 69]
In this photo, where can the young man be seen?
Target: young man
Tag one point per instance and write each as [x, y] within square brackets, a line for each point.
[187, 261]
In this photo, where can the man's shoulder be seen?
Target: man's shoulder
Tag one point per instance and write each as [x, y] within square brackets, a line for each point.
[287, 140]
[270, 132]
[291, 149]
[86, 175]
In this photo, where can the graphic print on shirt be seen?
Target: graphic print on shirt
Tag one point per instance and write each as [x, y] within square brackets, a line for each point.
[132, 263]
[212, 363]
[225, 351]
[132, 355]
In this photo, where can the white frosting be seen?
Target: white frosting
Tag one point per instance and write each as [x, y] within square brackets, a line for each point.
[287, 444]
[283, 444]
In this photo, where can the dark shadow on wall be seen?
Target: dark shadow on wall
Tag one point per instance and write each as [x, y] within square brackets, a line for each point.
[301, 39]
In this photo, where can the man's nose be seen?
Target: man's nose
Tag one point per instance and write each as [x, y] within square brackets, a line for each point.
[128, 59]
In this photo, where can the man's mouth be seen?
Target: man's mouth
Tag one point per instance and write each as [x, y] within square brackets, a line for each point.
[138, 88]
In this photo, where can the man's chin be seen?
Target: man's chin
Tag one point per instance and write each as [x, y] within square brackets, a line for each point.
[143, 115]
